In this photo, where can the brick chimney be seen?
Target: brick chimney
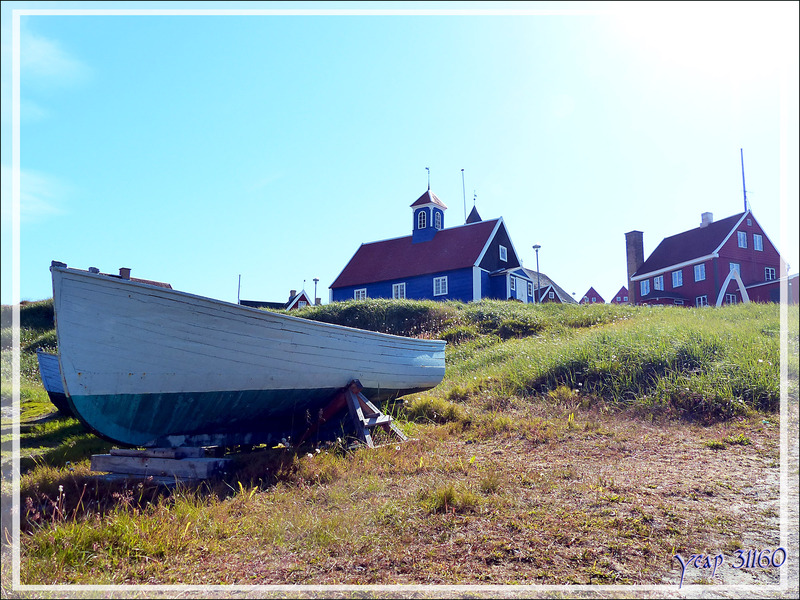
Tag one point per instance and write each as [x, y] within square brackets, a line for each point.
[634, 249]
[706, 219]
[292, 294]
[124, 273]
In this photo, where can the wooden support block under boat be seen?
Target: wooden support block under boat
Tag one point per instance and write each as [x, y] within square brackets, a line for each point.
[366, 415]
[363, 413]
[159, 462]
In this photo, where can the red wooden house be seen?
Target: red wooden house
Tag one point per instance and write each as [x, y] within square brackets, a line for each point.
[722, 262]
[592, 297]
[621, 297]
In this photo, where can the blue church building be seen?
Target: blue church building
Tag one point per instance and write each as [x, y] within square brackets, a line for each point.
[468, 263]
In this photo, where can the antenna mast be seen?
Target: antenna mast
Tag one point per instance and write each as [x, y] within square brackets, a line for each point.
[464, 194]
[429, 178]
[744, 189]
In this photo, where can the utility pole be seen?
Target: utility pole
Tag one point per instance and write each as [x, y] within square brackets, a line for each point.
[538, 279]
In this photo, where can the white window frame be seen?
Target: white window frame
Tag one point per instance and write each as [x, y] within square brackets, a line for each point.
[758, 242]
[701, 300]
[360, 294]
[399, 291]
[679, 302]
[440, 286]
[551, 295]
[422, 219]
[700, 272]
[625, 298]
[503, 253]
[658, 283]
[437, 219]
[644, 287]
[769, 274]
[530, 288]
[741, 236]
[730, 298]
[736, 267]
[302, 304]
[513, 284]
[677, 278]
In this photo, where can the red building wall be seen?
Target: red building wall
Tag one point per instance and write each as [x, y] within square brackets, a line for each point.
[752, 263]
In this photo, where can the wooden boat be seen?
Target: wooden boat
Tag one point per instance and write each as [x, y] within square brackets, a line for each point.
[50, 373]
[154, 367]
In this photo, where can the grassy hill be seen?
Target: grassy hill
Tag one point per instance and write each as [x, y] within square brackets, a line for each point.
[567, 444]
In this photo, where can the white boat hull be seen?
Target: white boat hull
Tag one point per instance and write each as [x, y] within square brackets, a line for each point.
[144, 365]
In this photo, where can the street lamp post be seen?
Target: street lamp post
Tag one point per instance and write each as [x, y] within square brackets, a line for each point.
[538, 279]
[315, 289]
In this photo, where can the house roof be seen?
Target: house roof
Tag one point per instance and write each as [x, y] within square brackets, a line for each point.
[591, 292]
[277, 305]
[621, 293]
[453, 248]
[689, 245]
[429, 198]
[546, 282]
[260, 304]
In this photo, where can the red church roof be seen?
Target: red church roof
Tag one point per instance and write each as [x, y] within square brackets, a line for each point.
[689, 245]
[453, 248]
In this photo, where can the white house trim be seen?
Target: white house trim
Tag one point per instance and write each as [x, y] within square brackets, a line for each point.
[730, 233]
[511, 243]
[733, 274]
[688, 263]
[476, 284]
[489, 241]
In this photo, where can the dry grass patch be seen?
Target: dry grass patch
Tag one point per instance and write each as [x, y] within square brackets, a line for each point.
[607, 503]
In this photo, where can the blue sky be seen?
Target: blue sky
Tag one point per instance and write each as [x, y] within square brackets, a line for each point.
[196, 149]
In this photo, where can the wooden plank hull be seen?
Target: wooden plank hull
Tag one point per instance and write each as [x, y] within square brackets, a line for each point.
[149, 366]
[50, 373]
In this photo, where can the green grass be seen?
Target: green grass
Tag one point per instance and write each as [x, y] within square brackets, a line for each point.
[482, 479]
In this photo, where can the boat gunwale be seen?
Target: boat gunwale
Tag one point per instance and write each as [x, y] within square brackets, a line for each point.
[440, 344]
